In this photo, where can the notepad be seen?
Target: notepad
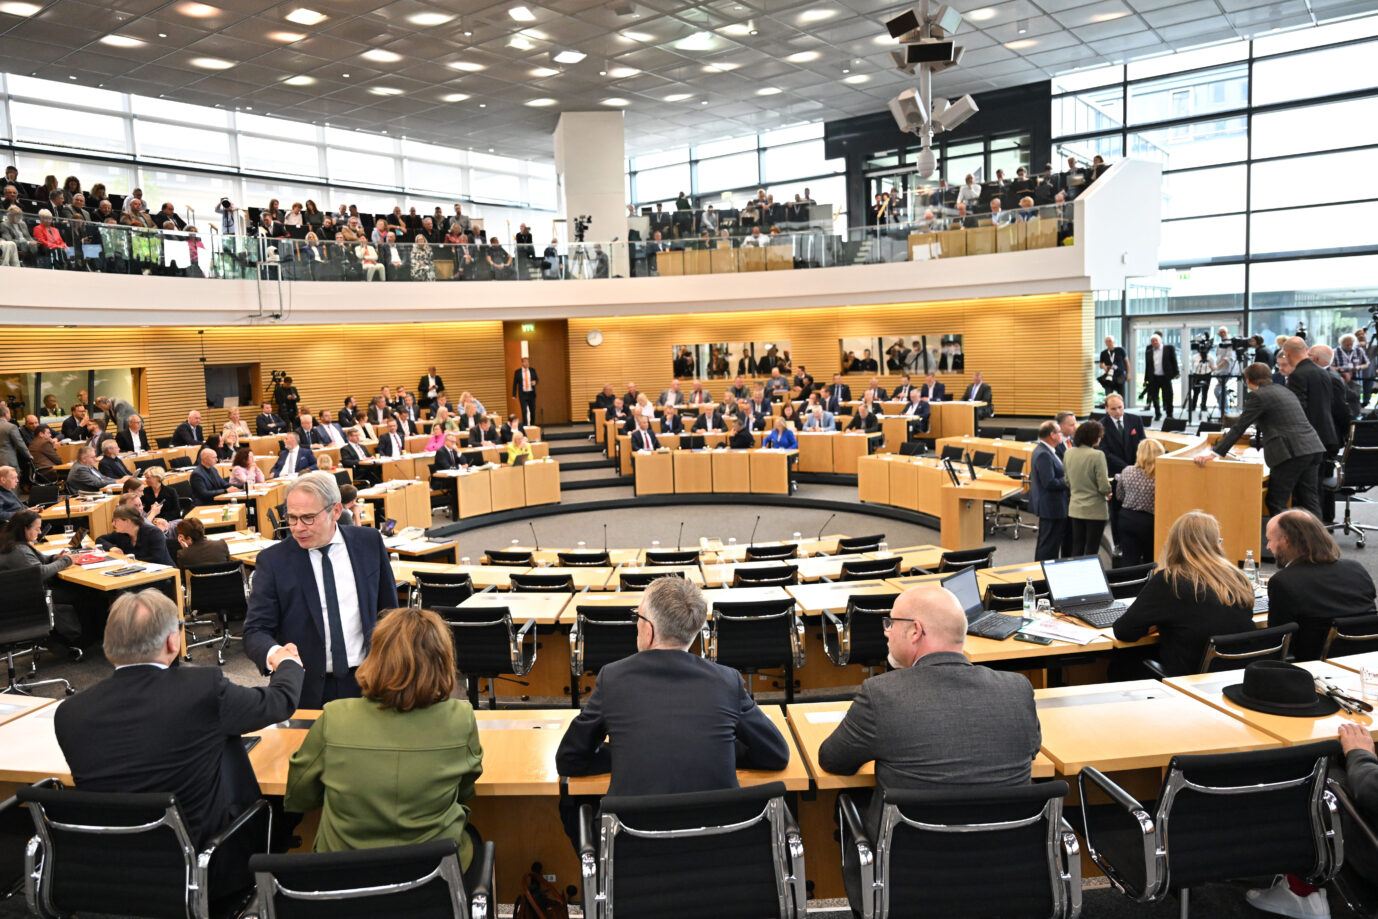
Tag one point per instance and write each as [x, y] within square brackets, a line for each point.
[1061, 631]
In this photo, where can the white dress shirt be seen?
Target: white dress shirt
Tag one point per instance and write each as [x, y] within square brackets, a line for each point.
[336, 438]
[1158, 362]
[289, 465]
[396, 444]
[357, 449]
[347, 592]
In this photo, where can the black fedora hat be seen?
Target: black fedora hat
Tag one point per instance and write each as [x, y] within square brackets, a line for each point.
[1278, 688]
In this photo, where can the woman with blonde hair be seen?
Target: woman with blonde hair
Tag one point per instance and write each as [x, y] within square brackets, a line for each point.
[1195, 594]
[234, 421]
[1134, 485]
[440, 426]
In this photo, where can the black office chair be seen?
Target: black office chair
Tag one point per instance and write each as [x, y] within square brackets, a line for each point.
[1174, 425]
[599, 636]
[983, 459]
[542, 583]
[592, 559]
[1008, 513]
[774, 576]
[488, 647]
[913, 448]
[1219, 817]
[1026, 435]
[94, 849]
[640, 580]
[1350, 635]
[756, 635]
[958, 559]
[1355, 882]
[953, 452]
[1357, 472]
[867, 569]
[938, 848]
[141, 466]
[1208, 427]
[26, 621]
[772, 553]
[852, 545]
[279, 529]
[731, 854]
[1009, 598]
[1129, 580]
[163, 442]
[422, 880]
[441, 588]
[672, 557]
[1237, 651]
[221, 591]
[41, 496]
[513, 558]
[858, 637]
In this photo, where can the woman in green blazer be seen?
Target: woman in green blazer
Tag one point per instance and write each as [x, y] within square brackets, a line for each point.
[396, 766]
[1088, 478]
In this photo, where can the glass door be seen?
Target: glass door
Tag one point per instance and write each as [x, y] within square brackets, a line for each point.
[1181, 333]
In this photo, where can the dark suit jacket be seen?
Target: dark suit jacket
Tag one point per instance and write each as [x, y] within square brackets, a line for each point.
[444, 459]
[673, 723]
[152, 545]
[742, 440]
[10, 504]
[384, 446]
[306, 460]
[701, 423]
[72, 429]
[1313, 595]
[317, 437]
[347, 455]
[644, 440]
[1121, 451]
[1049, 495]
[422, 388]
[205, 552]
[878, 394]
[476, 436]
[265, 425]
[943, 722]
[871, 425]
[1170, 370]
[126, 441]
[1311, 385]
[831, 400]
[672, 425]
[1339, 405]
[112, 467]
[937, 394]
[145, 729]
[187, 436]
[285, 605]
[347, 418]
[206, 484]
[517, 381]
[1286, 432]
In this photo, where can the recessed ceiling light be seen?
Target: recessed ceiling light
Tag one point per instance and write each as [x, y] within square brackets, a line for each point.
[490, 149]
[616, 101]
[454, 97]
[980, 15]
[740, 28]
[468, 66]
[570, 57]
[699, 41]
[637, 37]
[545, 72]
[15, 8]
[521, 44]
[704, 102]
[542, 102]
[1108, 17]
[300, 80]
[286, 37]
[381, 56]
[769, 91]
[198, 10]
[483, 105]
[816, 15]
[430, 19]
[1021, 44]
[521, 14]
[621, 73]
[720, 67]
[678, 97]
[211, 63]
[120, 41]
[385, 91]
[162, 35]
[857, 78]
[883, 39]
[305, 17]
[803, 57]
[345, 75]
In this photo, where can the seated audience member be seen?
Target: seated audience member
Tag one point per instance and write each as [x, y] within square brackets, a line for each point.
[1136, 488]
[518, 447]
[1197, 593]
[781, 437]
[790, 416]
[349, 505]
[404, 726]
[1313, 585]
[710, 422]
[9, 500]
[134, 538]
[482, 435]
[643, 439]
[84, 476]
[152, 727]
[979, 391]
[134, 439]
[206, 481]
[513, 426]
[158, 501]
[268, 423]
[932, 390]
[448, 456]
[874, 390]
[742, 438]
[864, 420]
[665, 721]
[671, 422]
[739, 389]
[917, 411]
[189, 432]
[244, 471]
[74, 425]
[17, 538]
[308, 434]
[233, 421]
[294, 459]
[196, 549]
[43, 452]
[353, 451]
[671, 396]
[820, 420]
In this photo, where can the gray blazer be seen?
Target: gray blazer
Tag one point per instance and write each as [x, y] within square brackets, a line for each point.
[941, 723]
[1088, 477]
[18, 233]
[12, 446]
[85, 478]
[1279, 416]
[26, 556]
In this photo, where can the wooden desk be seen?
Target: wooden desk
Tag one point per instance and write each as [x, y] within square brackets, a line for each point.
[1231, 491]
[770, 471]
[946, 419]
[213, 519]
[742, 595]
[13, 705]
[655, 473]
[731, 471]
[691, 573]
[1356, 661]
[1209, 688]
[585, 576]
[471, 491]
[693, 472]
[94, 514]
[542, 482]
[911, 557]
[507, 487]
[847, 448]
[409, 504]
[1003, 449]
[543, 607]
[813, 599]
[28, 748]
[264, 497]
[815, 451]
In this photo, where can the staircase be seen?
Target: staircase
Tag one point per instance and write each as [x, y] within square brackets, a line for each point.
[581, 459]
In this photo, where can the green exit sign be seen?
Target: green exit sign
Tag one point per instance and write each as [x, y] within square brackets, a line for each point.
[528, 326]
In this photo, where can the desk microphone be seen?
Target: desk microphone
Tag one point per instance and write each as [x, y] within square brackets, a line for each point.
[752, 540]
[679, 540]
[534, 538]
[824, 526]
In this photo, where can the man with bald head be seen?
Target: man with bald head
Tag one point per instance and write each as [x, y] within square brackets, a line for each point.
[1311, 386]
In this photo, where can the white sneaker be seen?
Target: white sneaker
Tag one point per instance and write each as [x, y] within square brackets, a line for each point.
[1279, 899]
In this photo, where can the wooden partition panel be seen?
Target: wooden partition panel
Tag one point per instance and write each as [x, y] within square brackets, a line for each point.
[326, 362]
[1032, 350]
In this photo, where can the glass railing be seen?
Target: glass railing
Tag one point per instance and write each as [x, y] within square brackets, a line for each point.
[76, 245]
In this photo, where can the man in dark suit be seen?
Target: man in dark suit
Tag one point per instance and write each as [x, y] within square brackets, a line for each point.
[310, 433]
[1049, 495]
[670, 422]
[353, 451]
[1114, 367]
[917, 411]
[481, 436]
[875, 390]
[1123, 434]
[901, 393]
[189, 433]
[1313, 585]
[390, 441]
[74, 425]
[9, 501]
[406, 427]
[134, 439]
[349, 413]
[617, 412]
[932, 390]
[863, 420]
[837, 394]
[429, 388]
[710, 423]
[448, 456]
[294, 459]
[110, 465]
[320, 591]
[604, 400]
[1160, 369]
[268, 422]
[513, 426]
[1291, 447]
[1312, 387]
[206, 480]
[1323, 356]
[643, 438]
[665, 721]
[979, 391]
[152, 727]
[524, 380]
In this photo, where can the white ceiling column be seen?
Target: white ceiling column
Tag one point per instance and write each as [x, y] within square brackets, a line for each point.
[590, 163]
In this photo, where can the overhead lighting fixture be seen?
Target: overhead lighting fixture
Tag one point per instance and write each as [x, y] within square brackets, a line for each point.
[803, 57]
[740, 28]
[15, 8]
[1109, 17]
[1021, 44]
[857, 78]
[543, 102]
[286, 37]
[621, 73]
[211, 63]
[883, 39]
[198, 10]
[521, 14]
[981, 15]
[699, 41]
[385, 91]
[305, 17]
[570, 57]
[430, 19]
[520, 43]
[1023, 26]
[300, 80]
[120, 41]
[616, 101]
[816, 15]
[678, 97]
[454, 97]
[381, 56]
[467, 66]
[720, 67]
[544, 72]
[641, 37]
[769, 91]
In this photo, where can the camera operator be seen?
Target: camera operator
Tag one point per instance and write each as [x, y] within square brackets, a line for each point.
[229, 216]
[1199, 377]
[1224, 368]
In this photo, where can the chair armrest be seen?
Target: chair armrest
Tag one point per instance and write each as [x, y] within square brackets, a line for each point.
[839, 650]
[527, 626]
[491, 588]
[588, 852]
[825, 579]
[1071, 869]
[1124, 830]
[1156, 668]
[794, 867]
[243, 820]
[481, 897]
[202, 893]
[860, 846]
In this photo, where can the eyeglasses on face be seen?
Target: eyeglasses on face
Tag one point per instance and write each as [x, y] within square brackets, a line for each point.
[887, 622]
[305, 520]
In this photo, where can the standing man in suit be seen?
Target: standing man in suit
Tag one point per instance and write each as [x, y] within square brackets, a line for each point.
[286, 397]
[152, 727]
[318, 593]
[134, 439]
[643, 438]
[979, 391]
[1120, 444]
[524, 380]
[429, 388]
[268, 423]
[1314, 390]
[295, 458]
[1114, 367]
[12, 446]
[189, 433]
[838, 393]
[1291, 447]
[1160, 369]
[932, 390]
[206, 481]
[116, 410]
[1049, 495]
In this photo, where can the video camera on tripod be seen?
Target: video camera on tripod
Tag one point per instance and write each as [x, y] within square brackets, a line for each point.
[581, 225]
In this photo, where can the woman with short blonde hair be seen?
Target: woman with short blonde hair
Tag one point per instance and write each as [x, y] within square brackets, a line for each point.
[1136, 488]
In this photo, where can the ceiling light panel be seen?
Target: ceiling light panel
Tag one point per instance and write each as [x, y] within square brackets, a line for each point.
[803, 57]
[211, 63]
[305, 17]
[521, 14]
[466, 66]
[431, 18]
[570, 57]
[543, 102]
[381, 56]
[541, 72]
[15, 8]
[120, 41]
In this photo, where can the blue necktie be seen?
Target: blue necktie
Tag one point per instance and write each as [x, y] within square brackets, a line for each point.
[339, 658]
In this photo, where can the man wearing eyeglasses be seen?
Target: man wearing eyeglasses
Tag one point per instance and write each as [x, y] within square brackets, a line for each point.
[318, 593]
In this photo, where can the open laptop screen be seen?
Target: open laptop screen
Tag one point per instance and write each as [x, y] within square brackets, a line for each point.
[1074, 581]
[968, 593]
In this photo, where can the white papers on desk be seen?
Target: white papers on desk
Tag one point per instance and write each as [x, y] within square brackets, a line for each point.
[1061, 631]
[251, 545]
[108, 563]
[413, 546]
[824, 717]
[155, 566]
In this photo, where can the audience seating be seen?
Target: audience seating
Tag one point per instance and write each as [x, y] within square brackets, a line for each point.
[1174, 425]
[41, 496]
[488, 647]
[441, 588]
[952, 452]
[26, 619]
[1218, 818]
[1357, 472]
[962, 852]
[221, 590]
[1006, 598]
[851, 545]
[513, 558]
[732, 854]
[771, 553]
[1237, 651]
[1208, 427]
[752, 636]
[98, 850]
[672, 557]
[958, 559]
[591, 559]
[1129, 580]
[858, 637]
[871, 568]
[1356, 881]
[1351, 635]
[421, 881]
[543, 583]
[775, 576]
[983, 459]
[599, 636]
[913, 448]
[640, 580]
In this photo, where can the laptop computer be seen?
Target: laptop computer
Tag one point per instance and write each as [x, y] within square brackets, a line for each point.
[980, 622]
[1077, 587]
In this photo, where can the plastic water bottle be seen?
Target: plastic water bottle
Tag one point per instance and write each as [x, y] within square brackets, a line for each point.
[1250, 567]
[1030, 597]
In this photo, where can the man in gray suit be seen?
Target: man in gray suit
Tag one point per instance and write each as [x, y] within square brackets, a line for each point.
[12, 446]
[1291, 446]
